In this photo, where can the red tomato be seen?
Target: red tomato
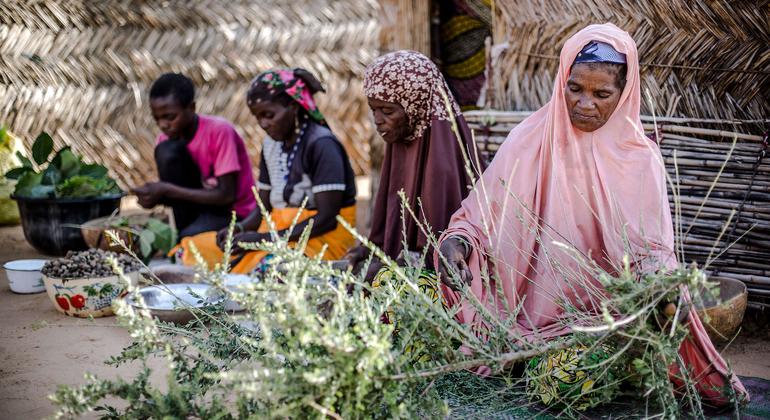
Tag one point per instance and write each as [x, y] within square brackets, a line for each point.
[78, 301]
[63, 302]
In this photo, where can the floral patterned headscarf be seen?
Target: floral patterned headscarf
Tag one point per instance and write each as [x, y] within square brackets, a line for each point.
[411, 80]
[298, 83]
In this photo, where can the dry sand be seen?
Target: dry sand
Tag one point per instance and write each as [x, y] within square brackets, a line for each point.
[40, 348]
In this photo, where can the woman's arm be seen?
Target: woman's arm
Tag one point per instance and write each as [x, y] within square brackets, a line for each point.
[249, 224]
[254, 219]
[223, 194]
[328, 205]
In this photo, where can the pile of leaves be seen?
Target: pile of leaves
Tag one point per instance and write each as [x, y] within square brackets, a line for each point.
[62, 174]
[152, 235]
[311, 343]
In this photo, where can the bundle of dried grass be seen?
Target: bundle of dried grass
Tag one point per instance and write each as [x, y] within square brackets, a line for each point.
[721, 199]
[83, 71]
[698, 58]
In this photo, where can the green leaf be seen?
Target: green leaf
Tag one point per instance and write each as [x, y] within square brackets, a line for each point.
[70, 163]
[42, 148]
[90, 290]
[165, 235]
[51, 176]
[16, 173]
[25, 163]
[26, 182]
[146, 238]
[41, 191]
[80, 186]
[107, 289]
[93, 170]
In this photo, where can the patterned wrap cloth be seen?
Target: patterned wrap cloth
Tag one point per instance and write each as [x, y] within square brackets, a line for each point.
[287, 81]
[572, 377]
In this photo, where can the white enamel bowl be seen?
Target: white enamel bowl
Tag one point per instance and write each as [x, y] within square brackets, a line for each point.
[24, 276]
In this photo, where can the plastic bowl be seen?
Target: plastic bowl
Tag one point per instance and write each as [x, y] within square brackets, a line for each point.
[24, 276]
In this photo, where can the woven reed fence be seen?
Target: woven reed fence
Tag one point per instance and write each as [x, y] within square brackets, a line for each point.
[81, 69]
[699, 58]
[694, 156]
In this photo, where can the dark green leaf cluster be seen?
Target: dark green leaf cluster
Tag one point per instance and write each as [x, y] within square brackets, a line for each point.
[65, 175]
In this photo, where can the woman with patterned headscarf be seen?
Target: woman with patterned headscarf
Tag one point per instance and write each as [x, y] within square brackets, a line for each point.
[414, 112]
[302, 162]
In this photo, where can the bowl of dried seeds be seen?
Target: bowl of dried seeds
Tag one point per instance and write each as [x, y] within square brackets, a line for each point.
[83, 284]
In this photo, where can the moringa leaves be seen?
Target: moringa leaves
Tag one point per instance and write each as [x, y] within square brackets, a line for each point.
[42, 148]
[65, 176]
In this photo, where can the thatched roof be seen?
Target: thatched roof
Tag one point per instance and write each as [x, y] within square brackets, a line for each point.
[82, 69]
[699, 58]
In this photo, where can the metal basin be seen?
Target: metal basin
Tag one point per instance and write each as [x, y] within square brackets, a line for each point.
[172, 302]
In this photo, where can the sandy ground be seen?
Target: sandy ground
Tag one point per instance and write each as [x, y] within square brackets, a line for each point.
[40, 348]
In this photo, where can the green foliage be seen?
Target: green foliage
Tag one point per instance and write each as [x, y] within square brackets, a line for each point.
[153, 235]
[311, 344]
[64, 176]
[80, 186]
[42, 147]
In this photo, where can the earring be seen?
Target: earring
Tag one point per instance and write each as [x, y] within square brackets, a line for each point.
[296, 124]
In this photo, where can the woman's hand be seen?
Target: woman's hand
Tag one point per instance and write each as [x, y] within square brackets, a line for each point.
[356, 256]
[150, 194]
[222, 235]
[455, 266]
[247, 237]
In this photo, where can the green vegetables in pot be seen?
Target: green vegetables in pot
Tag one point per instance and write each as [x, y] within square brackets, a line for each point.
[65, 175]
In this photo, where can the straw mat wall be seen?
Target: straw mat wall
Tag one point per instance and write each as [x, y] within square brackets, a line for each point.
[700, 58]
[82, 69]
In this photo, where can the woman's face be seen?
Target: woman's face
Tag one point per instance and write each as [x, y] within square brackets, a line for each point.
[592, 94]
[276, 119]
[391, 120]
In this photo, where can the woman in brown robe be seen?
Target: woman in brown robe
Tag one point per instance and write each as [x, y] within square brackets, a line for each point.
[414, 112]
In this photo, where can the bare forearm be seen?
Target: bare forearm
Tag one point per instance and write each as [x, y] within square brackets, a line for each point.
[321, 225]
[215, 196]
[254, 219]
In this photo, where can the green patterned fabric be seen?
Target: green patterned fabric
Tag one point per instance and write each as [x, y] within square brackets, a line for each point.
[427, 282]
[572, 377]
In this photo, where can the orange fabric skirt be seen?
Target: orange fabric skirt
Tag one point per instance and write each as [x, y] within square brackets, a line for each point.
[337, 241]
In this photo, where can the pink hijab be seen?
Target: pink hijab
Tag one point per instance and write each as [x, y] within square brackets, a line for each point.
[603, 194]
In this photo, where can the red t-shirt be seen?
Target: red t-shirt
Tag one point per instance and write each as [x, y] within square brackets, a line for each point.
[217, 149]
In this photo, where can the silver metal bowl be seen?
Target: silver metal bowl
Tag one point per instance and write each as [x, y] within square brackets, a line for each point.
[237, 283]
[172, 302]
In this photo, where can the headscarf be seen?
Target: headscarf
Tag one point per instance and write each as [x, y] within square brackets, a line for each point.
[602, 193]
[411, 80]
[299, 84]
[599, 52]
[430, 165]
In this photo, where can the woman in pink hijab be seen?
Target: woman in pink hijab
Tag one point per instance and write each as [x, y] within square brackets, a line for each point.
[579, 171]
